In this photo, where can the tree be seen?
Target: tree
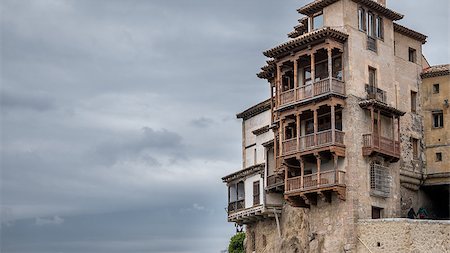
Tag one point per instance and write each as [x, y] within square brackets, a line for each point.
[237, 243]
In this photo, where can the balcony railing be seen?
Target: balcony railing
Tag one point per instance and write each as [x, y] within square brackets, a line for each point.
[383, 145]
[315, 181]
[376, 93]
[307, 142]
[371, 43]
[236, 206]
[274, 181]
[318, 88]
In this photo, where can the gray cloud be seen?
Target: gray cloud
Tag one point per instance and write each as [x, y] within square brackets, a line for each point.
[118, 117]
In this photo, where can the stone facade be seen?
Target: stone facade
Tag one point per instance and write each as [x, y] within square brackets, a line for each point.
[348, 122]
[403, 236]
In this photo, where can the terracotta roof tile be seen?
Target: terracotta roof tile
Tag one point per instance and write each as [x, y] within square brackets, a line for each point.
[437, 70]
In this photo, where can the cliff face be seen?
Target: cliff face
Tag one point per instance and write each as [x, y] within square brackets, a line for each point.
[295, 238]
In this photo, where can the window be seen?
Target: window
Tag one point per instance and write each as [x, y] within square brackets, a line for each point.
[370, 24]
[413, 101]
[256, 193]
[337, 68]
[254, 156]
[290, 131]
[415, 146]
[379, 180]
[412, 55]
[379, 27]
[317, 21]
[438, 119]
[372, 77]
[362, 19]
[436, 88]
[321, 71]
[438, 157]
[307, 75]
[376, 212]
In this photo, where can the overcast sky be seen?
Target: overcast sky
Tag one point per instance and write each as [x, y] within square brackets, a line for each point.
[118, 117]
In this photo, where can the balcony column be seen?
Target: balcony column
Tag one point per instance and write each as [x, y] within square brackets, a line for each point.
[379, 128]
[372, 116]
[278, 85]
[333, 124]
[298, 132]
[398, 128]
[318, 168]
[330, 67]
[336, 177]
[281, 134]
[286, 176]
[393, 131]
[316, 126]
[302, 172]
[313, 72]
[295, 79]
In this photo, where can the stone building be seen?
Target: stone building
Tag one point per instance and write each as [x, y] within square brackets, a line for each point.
[348, 130]
[435, 95]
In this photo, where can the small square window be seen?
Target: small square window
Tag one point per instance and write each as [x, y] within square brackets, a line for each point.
[436, 88]
[438, 157]
[377, 212]
[412, 55]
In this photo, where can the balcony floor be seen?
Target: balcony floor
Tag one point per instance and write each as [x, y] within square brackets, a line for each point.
[254, 213]
[308, 196]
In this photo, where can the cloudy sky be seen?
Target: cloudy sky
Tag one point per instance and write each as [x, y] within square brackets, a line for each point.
[118, 117]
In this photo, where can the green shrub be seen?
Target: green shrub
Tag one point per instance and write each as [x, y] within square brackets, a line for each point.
[237, 243]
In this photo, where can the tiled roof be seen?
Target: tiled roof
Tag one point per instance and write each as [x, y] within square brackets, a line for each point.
[258, 168]
[410, 33]
[438, 70]
[304, 40]
[255, 110]
[380, 105]
[315, 6]
[318, 5]
[380, 9]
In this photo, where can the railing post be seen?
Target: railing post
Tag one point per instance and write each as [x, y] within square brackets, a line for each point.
[333, 124]
[318, 168]
[281, 130]
[336, 176]
[316, 126]
[330, 67]
[298, 132]
[302, 172]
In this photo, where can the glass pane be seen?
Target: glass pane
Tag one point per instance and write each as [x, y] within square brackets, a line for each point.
[317, 22]
[337, 68]
[241, 192]
[321, 71]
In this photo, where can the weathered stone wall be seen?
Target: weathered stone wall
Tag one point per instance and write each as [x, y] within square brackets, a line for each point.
[403, 235]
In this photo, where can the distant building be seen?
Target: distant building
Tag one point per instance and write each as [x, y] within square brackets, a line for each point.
[348, 145]
[435, 96]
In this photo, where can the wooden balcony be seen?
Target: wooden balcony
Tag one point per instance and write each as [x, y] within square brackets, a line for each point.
[376, 93]
[236, 206]
[303, 190]
[311, 142]
[274, 182]
[310, 91]
[374, 144]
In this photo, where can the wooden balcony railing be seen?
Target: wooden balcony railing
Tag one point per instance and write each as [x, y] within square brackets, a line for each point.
[316, 181]
[376, 93]
[312, 90]
[236, 205]
[274, 181]
[383, 145]
[307, 142]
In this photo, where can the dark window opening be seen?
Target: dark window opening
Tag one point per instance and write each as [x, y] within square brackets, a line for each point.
[412, 55]
[376, 212]
[337, 68]
[372, 77]
[436, 88]
[379, 27]
[256, 193]
[413, 101]
[438, 119]
[291, 131]
[439, 157]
